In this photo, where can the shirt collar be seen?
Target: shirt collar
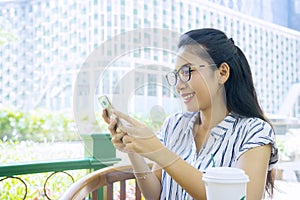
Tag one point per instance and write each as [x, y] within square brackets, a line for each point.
[225, 125]
[219, 130]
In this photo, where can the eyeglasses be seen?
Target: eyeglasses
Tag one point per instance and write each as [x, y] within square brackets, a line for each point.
[184, 73]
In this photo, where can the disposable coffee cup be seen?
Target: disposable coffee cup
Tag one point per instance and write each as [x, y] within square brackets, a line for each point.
[225, 183]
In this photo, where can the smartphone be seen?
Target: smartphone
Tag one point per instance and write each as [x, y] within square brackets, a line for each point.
[106, 104]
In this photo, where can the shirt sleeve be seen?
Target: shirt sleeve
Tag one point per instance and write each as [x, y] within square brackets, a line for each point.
[259, 133]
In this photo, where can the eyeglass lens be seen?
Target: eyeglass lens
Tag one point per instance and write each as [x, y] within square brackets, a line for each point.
[184, 74]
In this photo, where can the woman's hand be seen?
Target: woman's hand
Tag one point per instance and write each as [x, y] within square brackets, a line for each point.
[116, 133]
[140, 139]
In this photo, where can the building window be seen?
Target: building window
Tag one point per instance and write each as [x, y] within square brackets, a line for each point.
[152, 91]
[139, 82]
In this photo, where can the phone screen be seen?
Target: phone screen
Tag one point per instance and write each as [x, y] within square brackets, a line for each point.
[105, 103]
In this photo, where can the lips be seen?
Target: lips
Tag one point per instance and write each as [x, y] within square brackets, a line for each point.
[187, 97]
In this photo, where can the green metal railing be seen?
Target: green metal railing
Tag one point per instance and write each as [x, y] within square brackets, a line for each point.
[99, 153]
[50, 166]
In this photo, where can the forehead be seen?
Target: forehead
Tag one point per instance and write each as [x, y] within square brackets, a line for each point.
[186, 55]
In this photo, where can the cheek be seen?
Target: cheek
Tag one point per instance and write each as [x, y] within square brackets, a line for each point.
[204, 89]
[199, 84]
[202, 92]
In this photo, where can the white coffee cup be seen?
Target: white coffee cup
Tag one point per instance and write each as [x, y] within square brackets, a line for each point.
[225, 183]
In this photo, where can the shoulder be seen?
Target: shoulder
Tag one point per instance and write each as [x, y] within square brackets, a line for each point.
[255, 123]
[255, 132]
[254, 129]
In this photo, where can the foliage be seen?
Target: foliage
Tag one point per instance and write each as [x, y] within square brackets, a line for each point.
[56, 185]
[38, 125]
[27, 151]
[41, 125]
[27, 136]
[24, 151]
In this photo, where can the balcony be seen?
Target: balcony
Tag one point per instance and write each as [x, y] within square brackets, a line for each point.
[95, 157]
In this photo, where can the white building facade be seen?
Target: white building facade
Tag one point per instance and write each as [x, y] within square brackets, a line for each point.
[55, 37]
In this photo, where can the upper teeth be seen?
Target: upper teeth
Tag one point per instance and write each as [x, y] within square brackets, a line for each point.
[188, 96]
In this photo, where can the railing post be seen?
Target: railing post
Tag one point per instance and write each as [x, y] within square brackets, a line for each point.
[99, 147]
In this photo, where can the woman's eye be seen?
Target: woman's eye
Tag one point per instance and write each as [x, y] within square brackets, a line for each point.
[185, 72]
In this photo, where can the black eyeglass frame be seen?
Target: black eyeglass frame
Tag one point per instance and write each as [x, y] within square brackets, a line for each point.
[175, 73]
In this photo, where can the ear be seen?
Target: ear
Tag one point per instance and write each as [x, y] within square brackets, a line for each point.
[223, 73]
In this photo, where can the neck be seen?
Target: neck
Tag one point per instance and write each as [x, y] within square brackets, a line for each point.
[211, 119]
[213, 115]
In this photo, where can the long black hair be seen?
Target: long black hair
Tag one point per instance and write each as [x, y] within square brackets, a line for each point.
[241, 96]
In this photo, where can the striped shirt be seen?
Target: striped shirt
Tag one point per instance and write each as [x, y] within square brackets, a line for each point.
[226, 142]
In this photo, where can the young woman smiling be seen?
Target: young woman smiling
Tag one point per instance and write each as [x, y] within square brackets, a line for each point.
[223, 121]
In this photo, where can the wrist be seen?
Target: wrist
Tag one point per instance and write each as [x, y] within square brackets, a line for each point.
[142, 176]
[163, 157]
[139, 164]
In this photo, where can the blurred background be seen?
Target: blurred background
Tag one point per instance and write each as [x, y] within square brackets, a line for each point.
[44, 44]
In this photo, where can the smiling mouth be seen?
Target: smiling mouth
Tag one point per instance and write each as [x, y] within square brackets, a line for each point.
[186, 98]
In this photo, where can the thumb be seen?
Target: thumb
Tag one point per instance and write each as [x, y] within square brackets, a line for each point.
[127, 118]
[137, 132]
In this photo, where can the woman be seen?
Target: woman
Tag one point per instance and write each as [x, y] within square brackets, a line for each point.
[224, 122]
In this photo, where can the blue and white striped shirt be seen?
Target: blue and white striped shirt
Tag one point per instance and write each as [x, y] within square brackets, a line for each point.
[227, 142]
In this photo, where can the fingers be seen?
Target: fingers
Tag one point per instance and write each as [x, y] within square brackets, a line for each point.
[122, 142]
[127, 139]
[117, 141]
[105, 116]
[138, 132]
[127, 118]
[131, 130]
[118, 138]
[112, 127]
[128, 144]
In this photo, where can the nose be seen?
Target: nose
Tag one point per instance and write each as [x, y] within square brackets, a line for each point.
[180, 85]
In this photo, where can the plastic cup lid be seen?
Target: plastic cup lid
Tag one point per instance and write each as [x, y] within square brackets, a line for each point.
[225, 174]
